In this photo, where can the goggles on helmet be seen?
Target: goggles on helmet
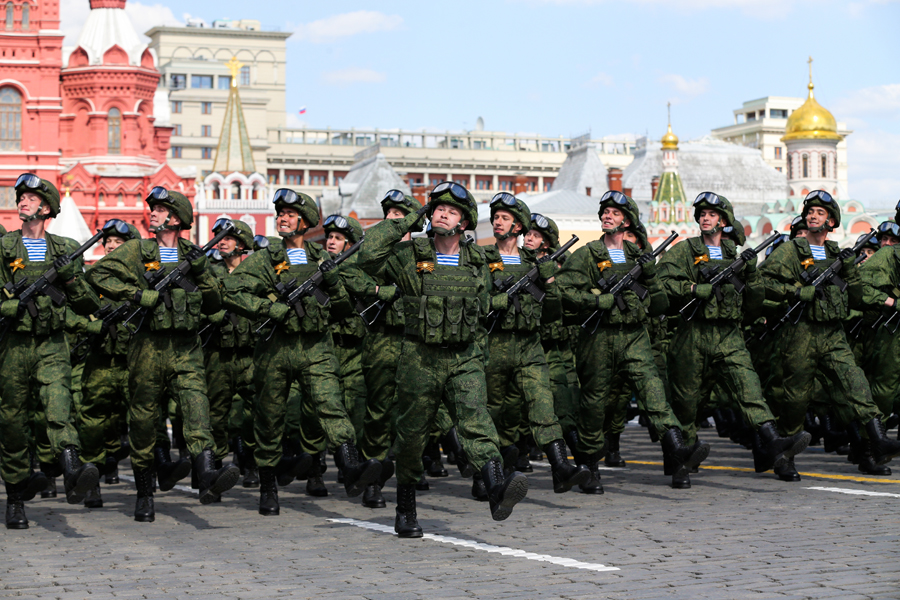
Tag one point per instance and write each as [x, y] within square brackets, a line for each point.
[337, 220]
[617, 197]
[116, 227]
[31, 181]
[396, 196]
[288, 197]
[890, 228]
[820, 195]
[456, 190]
[504, 198]
[158, 194]
[540, 220]
[708, 198]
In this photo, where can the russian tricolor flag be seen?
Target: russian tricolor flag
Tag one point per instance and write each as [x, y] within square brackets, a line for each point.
[302, 110]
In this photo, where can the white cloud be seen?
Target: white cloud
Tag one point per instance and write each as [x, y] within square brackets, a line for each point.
[344, 25]
[880, 101]
[294, 121]
[600, 79]
[353, 75]
[874, 167]
[685, 87]
[74, 13]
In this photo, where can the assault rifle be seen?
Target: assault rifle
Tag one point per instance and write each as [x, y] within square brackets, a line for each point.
[726, 275]
[379, 305]
[616, 286]
[161, 281]
[819, 280]
[526, 283]
[293, 294]
[26, 293]
[110, 317]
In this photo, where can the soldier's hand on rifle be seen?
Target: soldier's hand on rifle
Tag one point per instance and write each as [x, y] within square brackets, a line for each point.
[703, 290]
[807, 293]
[9, 308]
[278, 311]
[65, 268]
[500, 302]
[198, 260]
[749, 258]
[146, 298]
[546, 270]
[605, 301]
[847, 256]
[329, 272]
[386, 293]
[94, 327]
[648, 265]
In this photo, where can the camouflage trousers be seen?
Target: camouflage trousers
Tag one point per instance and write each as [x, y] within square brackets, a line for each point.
[610, 355]
[809, 350]
[881, 362]
[704, 354]
[353, 383]
[302, 423]
[432, 374]
[104, 401]
[229, 373]
[561, 364]
[164, 365]
[309, 360]
[381, 356]
[518, 382]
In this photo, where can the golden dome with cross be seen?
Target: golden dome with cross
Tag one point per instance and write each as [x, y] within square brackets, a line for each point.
[811, 121]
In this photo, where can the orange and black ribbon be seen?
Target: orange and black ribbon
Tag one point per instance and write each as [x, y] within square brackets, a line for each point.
[424, 265]
[16, 264]
[807, 263]
[495, 266]
[152, 266]
[603, 265]
[282, 266]
[701, 258]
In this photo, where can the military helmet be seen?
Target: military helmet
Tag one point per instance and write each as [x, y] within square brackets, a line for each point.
[260, 242]
[824, 200]
[640, 232]
[242, 233]
[452, 193]
[897, 213]
[798, 225]
[547, 228]
[518, 209]
[27, 182]
[402, 202]
[348, 226]
[305, 205]
[119, 228]
[887, 228]
[2, 231]
[618, 200]
[176, 202]
[874, 239]
[720, 204]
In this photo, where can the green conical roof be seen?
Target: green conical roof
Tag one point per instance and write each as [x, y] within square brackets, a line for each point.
[234, 152]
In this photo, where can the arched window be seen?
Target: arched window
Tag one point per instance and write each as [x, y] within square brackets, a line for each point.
[805, 170]
[236, 191]
[25, 17]
[824, 165]
[9, 16]
[789, 166]
[10, 119]
[114, 131]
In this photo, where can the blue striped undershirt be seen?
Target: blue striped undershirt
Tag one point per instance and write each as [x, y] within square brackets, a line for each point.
[37, 249]
[617, 256]
[509, 259]
[715, 252]
[168, 255]
[297, 256]
[448, 260]
[818, 252]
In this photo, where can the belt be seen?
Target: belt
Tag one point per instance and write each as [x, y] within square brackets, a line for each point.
[346, 341]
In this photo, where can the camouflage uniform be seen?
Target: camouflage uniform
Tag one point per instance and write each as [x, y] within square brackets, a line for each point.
[881, 280]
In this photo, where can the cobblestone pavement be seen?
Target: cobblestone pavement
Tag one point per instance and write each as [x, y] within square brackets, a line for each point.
[734, 535]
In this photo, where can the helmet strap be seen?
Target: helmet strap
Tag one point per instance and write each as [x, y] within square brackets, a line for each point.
[616, 229]
[37, 214]
[165, 226]
[824, 227]
[443, 232]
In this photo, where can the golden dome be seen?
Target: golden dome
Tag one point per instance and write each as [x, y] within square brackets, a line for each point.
[811, 122]
[670, 140]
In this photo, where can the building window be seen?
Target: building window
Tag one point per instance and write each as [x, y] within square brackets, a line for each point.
[316, 180]
[114, 131]
[789, 167]
[7, 197]
[176, 129]
[203, 82]
[206, 108]
[206, 152]
[245, 75]
[9, 16]
[778, 169]
[176, 106]
[824, 166]
[777, 151]
[778, 113]
[224, 82]
[805, 169]
[206, 130]
[177, 81]
[293, 177]
[26, 17]
[751, 116]
[176, 151]
[10, 119]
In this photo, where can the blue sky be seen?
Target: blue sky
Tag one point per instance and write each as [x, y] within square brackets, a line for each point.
[563, 67]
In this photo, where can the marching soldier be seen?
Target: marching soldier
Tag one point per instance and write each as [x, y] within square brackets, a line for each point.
[301, 348]
[165, 358]
[34, 354]
[444, 282]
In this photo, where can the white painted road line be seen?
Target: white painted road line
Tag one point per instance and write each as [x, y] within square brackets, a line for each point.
[564, 562]
[854, 492]
[180, 488]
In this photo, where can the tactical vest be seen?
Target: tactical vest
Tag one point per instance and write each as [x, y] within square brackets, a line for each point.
[316, 319]
[184, 316]
[50, 317]
[730, 308]
[529, 318]
[835, 304]
[234, 331]
[602, 266]
[449, 309]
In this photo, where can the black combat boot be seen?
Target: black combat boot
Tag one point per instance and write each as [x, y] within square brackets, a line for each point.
[452, 444]
[268, 492]
[503, 492]
[357, 475]
[534, 452]
[143, 508]
[523, 462]
[613, 458]
[372, 497]
[169, 472]
[50, 490]
[510, 456]
[833, 438]
[593, 485]
[479, 491]
[422, 484]
[213, 482]
[315, 485]
[681, 458]
[867, 465]
[290, 468]
[36, 483]
[722, 417]
[771, 450]
[565, 474]
[883, 448]
[813, 426]
[111, 470]
[571, 438]
[78, 478]
[407, 524]
[15, 506]
[93, 499]
[436, 467]
[788, 472]
[248, 464]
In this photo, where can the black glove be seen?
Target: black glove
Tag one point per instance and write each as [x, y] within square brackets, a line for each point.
[329, 272]
[648, 265]
[198, 260]
[65, 267]
[749, 257]
[847, 256]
